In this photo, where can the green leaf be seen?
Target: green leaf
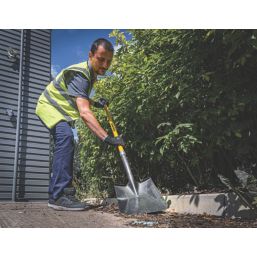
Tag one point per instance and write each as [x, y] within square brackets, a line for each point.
[238, 134]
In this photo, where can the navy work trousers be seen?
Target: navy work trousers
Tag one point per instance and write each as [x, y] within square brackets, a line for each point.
[62, 169]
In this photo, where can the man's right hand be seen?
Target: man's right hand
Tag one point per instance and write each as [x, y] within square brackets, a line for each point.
[114, 140]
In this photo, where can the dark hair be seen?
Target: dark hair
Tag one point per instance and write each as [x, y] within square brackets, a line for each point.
[102, 42]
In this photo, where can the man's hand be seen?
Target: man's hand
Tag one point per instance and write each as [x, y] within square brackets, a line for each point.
[101, 103]
[114, 140]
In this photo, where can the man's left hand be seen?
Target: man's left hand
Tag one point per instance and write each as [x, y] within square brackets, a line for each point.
[101, 103]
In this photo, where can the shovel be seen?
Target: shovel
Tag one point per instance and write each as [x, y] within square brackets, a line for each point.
[135, 198]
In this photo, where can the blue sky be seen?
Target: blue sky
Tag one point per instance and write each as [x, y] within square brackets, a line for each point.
[70, 46]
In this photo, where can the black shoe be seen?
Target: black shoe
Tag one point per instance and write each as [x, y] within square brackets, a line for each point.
[68, 202]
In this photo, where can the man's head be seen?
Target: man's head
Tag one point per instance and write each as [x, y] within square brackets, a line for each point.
[100, 55]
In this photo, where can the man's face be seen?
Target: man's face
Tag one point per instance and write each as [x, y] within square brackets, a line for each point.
[100, 60]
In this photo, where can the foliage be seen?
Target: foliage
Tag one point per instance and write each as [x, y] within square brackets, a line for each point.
[185, 101]
[245, 188]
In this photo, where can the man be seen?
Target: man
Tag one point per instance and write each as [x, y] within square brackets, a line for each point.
[63, 101]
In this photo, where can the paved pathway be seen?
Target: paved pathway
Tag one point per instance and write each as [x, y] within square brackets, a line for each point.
[38, 215]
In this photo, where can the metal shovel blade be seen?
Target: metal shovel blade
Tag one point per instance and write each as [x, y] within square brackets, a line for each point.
[146, 199]
[135, 198]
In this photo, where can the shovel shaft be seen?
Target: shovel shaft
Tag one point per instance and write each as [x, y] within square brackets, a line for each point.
[128, 171]
[121, 151]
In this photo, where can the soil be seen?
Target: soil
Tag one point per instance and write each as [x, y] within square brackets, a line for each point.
[38, 215]
[175, 220]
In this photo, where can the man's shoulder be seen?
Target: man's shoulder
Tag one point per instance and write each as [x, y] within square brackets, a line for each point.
[83, 65]
[81, 68]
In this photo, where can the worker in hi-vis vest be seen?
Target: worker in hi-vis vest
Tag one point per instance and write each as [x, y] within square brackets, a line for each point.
[63, 101]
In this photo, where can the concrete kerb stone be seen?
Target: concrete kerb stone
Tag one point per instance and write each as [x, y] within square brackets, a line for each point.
[219, 204]
[212, 204]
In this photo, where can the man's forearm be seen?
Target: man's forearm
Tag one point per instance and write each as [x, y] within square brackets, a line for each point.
[92, 123]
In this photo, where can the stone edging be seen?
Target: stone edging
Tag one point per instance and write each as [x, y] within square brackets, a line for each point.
[219, 204]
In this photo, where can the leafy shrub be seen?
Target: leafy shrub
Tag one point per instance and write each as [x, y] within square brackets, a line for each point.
[185, 101]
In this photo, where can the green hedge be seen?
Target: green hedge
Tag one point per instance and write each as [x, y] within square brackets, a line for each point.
[185, 101]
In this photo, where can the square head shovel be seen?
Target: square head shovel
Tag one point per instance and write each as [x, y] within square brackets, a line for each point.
[135, 198]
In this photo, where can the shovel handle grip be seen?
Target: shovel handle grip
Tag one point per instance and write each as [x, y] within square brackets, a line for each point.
[113, 127]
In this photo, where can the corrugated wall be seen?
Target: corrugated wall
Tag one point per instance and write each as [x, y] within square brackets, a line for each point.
[33, 144]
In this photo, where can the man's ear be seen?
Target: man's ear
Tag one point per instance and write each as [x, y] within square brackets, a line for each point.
[90, 54]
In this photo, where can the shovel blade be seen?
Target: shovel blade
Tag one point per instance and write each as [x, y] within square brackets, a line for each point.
[146, 199]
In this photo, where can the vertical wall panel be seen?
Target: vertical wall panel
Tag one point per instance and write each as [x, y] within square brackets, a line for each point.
[33, 158]
[9, 80]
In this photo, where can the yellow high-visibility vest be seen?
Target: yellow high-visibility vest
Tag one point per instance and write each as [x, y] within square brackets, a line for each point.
[55, 104]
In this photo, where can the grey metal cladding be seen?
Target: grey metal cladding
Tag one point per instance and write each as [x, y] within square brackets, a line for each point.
[33, 149]
[8, 73]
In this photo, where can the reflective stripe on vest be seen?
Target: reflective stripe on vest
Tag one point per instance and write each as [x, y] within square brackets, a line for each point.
[84, 71]
[64, 93]
[56, 105]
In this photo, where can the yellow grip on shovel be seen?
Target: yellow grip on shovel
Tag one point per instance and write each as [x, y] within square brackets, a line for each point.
[114, 130]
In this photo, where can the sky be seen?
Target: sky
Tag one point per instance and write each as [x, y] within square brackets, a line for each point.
[71, 46]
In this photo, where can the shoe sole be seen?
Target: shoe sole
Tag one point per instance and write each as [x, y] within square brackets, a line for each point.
[62, 208]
